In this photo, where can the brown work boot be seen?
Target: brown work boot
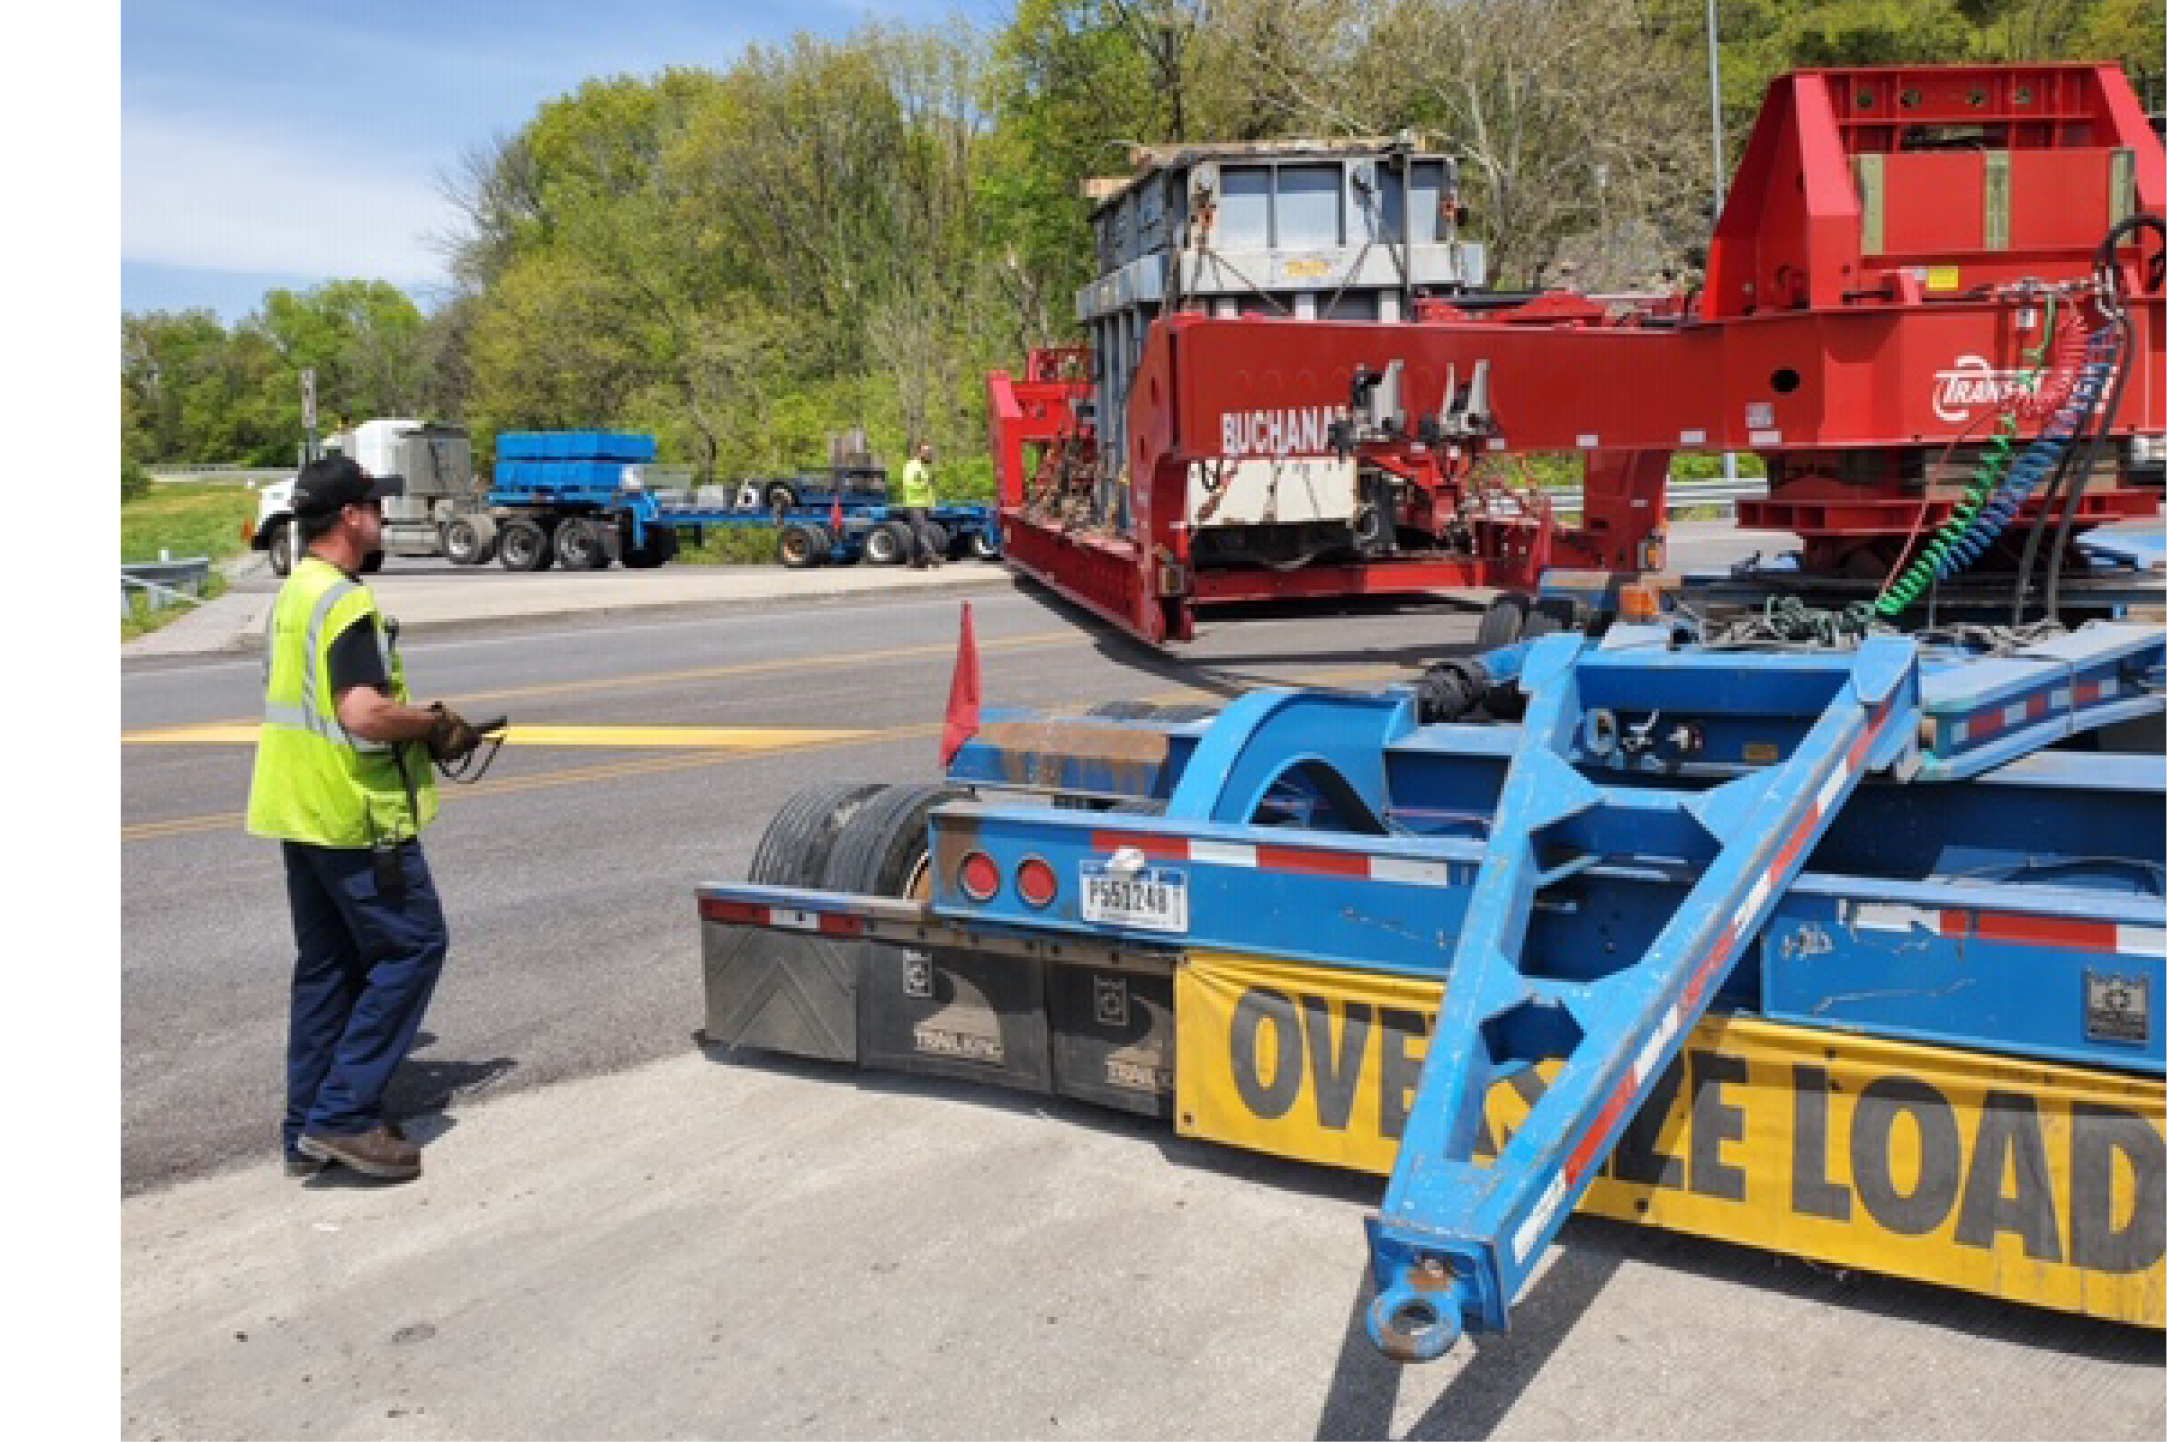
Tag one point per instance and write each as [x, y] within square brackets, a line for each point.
[373, 1154]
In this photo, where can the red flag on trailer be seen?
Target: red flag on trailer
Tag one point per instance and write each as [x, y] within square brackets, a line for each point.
[962, 694]
[835, 516]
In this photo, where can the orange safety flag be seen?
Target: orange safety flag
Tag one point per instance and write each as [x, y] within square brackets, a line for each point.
[835, 516]
[962, 694]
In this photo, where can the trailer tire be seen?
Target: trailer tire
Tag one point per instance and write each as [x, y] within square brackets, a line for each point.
[470, 541]
[937, 534]
[800, 547]
[660, 550]
[794, 849]
[888, 544]
[280, 548]
[883, 849]
[579, 545]
[1503, 622]
[523, 546]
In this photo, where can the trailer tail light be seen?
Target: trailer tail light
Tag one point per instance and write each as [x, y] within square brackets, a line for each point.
[1036, 882]
[979, 876]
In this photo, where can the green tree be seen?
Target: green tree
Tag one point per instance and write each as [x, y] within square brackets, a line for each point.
[363, 338]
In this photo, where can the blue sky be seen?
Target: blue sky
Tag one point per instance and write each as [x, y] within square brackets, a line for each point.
[287, 142]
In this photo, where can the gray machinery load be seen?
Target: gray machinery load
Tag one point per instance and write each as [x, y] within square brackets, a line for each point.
[1350, 229]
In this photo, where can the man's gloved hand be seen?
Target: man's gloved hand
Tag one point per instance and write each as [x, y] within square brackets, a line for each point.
[451, 738]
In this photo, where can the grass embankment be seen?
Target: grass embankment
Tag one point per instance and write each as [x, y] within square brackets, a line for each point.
[729, 546]
[184, 521]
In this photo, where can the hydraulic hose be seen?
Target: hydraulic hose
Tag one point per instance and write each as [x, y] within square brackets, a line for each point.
[2109, 280]
[2005, 481]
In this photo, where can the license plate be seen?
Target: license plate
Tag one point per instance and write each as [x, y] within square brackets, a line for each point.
[1154, 898]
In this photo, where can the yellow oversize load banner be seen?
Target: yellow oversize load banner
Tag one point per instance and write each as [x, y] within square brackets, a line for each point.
[2037, 1183]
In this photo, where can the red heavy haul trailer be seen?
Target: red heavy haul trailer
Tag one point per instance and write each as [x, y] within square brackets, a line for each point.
[1296, 389]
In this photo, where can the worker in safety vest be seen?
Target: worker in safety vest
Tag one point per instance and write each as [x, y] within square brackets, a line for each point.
[343, 782]
[918, 502]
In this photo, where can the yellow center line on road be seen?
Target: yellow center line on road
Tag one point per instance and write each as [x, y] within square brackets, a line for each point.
[779, 742]
[470, 703]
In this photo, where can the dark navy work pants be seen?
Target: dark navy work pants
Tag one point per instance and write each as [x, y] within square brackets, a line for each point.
[365, 966]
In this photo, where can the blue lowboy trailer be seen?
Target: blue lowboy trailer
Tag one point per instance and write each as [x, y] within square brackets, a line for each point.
[1852, 952]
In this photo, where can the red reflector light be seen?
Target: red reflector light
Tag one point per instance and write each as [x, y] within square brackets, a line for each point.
[1036, 882]
[742, 912]
[979, 876]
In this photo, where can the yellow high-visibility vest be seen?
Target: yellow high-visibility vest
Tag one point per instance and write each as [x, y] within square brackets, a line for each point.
[917, 484]
[314, 781]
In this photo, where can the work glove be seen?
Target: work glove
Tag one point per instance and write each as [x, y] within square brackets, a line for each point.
[451, 738]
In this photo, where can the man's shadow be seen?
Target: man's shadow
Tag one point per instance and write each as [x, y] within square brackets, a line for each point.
[421, 1096]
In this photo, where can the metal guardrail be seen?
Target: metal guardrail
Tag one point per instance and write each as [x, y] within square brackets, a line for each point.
[252, 475]
[1684, 496]
[164, 583]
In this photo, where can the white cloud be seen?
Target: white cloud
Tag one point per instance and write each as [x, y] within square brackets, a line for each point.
[198, 192]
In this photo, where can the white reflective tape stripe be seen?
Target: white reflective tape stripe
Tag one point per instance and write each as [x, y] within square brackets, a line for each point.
[1825, 799]
[1959, 732]
[1530, 1231]
[1761, 887]
[2016, 715]
[1410, 871]
[291, 717]
[2140, 940]
[2061, 698]
[1222, 853]
[327, 721]
[1764, 438]
[1893, 916]
[795, 920]
[2109, 687]
[1651, 1051]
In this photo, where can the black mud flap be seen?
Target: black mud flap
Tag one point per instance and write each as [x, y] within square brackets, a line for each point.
[1113, 1037]
[782, 991]
[940, 1011]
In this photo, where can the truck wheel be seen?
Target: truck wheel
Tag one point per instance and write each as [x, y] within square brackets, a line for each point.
[462, 543]
[280, 549]
[523, 546]
[1503, 622]
[794, 849]
[579, 545]
[801, 546]
[883, 849]
[938, 535]
[889, 544]
[660, 550]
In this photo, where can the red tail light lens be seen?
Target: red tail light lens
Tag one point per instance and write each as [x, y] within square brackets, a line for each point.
[1036, 882]
[979, 876]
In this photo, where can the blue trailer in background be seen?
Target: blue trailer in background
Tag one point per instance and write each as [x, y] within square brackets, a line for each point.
[582, 500]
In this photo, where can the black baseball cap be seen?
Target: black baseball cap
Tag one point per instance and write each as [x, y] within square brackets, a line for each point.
[329, 482]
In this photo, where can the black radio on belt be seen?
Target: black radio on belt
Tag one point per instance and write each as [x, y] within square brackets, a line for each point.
[390, 874]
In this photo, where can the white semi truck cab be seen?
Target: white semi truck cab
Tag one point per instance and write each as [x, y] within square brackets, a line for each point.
[436, 463]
